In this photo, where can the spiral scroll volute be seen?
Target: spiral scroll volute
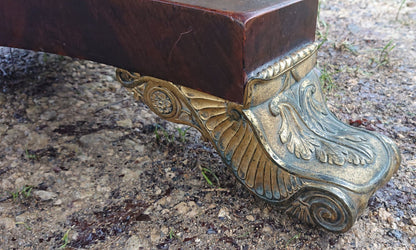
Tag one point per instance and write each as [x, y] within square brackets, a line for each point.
[329, 208]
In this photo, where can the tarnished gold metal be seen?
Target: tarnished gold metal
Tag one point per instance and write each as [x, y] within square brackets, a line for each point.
[283, 144]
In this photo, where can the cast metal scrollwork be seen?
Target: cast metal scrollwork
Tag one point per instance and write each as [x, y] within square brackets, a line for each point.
[323, 208]
[308, 130]
[282, 143]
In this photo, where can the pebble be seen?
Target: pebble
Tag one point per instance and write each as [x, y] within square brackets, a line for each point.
[19, 182]
[134, 242]
[411, 4]
[33, 112]
[194, 209]
[395, 233]
[127, 123]
[182, 208]
[139, 148]
[250, 218]
[74, 235]
[224, 213]
[58, 202]
[157, 191]
[48, 115]
[90, 140]
[44, 195]
[383, 214]
[3, 128]
[256, 210]
[14, 134]
[211, 231]
[267, 229]
[190, 209]
[37, 141]
[155, 235]
[413, 220]
[7, 223]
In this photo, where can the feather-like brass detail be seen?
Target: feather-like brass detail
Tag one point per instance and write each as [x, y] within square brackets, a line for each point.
[282, 143]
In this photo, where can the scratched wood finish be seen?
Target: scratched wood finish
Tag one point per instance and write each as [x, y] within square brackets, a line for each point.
[210, 45]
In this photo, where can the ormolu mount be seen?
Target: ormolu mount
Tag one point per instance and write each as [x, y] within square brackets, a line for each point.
[283, 144]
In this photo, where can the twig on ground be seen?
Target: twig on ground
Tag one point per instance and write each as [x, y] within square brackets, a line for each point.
[6, 198]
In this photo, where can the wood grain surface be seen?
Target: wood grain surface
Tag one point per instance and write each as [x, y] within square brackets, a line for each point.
[206, 45]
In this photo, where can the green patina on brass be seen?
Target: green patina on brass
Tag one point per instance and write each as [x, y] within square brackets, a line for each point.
[283, 144]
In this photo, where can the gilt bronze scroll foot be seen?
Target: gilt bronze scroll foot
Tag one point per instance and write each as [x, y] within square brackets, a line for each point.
[282, 143]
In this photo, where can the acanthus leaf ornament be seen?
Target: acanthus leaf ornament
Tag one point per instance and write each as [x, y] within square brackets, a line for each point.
[283, 144]
[309, 131]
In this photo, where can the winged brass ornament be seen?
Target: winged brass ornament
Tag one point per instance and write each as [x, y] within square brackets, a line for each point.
[282, 143]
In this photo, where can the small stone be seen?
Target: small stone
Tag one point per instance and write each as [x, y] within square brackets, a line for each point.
[44, 195]
[211, 231]
[413, 220]
[110, 79]
[37, 141]
[170, 175]
[139, 148]
[266, 212]
[164, 230]
[383, 214]
[6, 184]
[194, 209]
[267, 229]
[7, 223]
[155, 235]
[354, 28]
[58, 202]
[48, 115]
[395, 233]
[3, 128]
[22, 218]
[33, 112]
[158, 191]
[411, 4]
[125, 123]
[223, 213]
[130, 143]
[19, 182]
[256, 211]
[74, 236]
[89, 141]
[391, 220]
[250, 218]
[135, 242]
[182, 208]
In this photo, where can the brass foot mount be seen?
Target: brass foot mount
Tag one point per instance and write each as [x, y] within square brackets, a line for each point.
[283, 144]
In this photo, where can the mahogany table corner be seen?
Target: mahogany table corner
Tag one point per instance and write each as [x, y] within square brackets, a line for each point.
[243, 73]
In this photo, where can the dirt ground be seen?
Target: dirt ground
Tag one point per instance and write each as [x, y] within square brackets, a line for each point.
[82, 165]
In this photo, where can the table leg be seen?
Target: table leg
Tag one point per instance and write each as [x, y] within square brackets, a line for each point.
[282, 143]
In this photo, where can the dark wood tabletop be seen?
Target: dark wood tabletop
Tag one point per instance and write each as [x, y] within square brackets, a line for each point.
[209, 45]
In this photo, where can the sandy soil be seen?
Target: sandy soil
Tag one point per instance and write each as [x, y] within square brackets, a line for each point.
[81, 165]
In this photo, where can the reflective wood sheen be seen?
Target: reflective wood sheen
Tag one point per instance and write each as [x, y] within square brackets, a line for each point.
[207, 45]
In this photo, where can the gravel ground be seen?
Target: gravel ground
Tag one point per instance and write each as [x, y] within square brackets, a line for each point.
[82, 165]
